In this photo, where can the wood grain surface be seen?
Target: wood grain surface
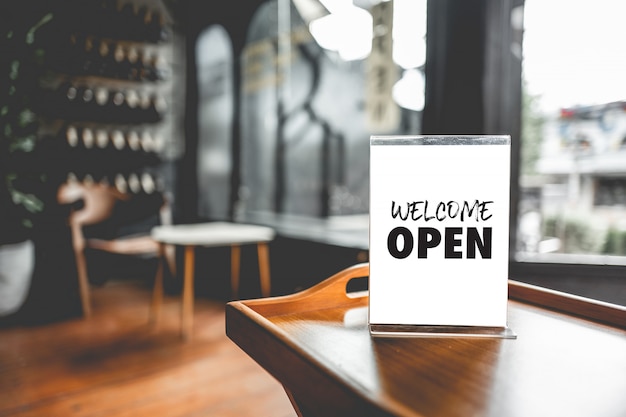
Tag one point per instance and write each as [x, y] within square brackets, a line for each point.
[559, 365]
[115, 364]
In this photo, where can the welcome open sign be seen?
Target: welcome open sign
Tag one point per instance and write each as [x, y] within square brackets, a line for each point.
[439, 235]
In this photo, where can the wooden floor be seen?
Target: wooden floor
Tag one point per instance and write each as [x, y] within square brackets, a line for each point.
[114, 364]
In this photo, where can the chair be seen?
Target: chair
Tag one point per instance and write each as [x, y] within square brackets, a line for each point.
[104, 209]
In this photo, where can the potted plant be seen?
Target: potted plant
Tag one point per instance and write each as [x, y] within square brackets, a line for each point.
[21, 178]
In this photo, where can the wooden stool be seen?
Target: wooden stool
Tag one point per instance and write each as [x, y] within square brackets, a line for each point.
[208, 235]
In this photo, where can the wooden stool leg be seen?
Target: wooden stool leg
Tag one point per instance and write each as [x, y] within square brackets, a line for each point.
[78, 244]
[83, 282]
[157, 292]
[264, 268]
[187, 305]
[235, 262]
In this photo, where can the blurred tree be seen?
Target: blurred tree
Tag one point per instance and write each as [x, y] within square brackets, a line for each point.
[532, 132]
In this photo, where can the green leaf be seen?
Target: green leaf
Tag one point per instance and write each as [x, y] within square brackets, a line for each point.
[29, 201]
[25, 144]
[15, 69]
[30, 36]
[26, 117]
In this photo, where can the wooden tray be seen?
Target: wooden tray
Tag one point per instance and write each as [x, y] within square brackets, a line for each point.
[317, 344]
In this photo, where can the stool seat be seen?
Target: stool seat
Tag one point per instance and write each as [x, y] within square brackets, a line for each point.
[212, 234]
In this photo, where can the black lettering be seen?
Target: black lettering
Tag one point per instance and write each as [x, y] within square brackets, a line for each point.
[483, 209]
[427, 218]
[392, 242]
[398, 212]
[441, 207]
[456, 212]
[427, 237]
[452, 242]
[474, 241]
[467, 210]
[415, 210]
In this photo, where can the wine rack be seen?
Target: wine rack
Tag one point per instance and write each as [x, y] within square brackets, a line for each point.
[89, 55]
[101, 103]
[109, 102]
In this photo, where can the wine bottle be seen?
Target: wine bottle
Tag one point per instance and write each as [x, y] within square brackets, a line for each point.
[72, 178]
[117, 137]
[159, 143]
[115, 107]
[88, 138]
[134, 142]
[130, 107]
[138, 67]
[71, 92]
[155, 28]
[91, 56]
[133, 66]
[128, 22]
[122, 66]
[157, 108]
[88, 107]
[102, 138]
[132, 100]
[147, 142]
[148, 183]
[134, 184]
[102, 96]
[120, 184]
[71, 135]
[104, 67]
[160, 68]
[142, 14]
[88, 180]
[69, 103]
[73, 61]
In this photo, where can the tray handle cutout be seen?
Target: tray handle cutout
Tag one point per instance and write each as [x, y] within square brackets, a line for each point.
[330, 293]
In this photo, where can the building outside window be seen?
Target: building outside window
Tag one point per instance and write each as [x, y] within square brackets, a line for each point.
[573, 175]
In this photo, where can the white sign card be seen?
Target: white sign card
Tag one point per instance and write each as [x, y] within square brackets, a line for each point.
[439, 235]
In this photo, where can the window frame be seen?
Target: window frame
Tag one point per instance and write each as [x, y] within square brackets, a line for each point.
[497, 51]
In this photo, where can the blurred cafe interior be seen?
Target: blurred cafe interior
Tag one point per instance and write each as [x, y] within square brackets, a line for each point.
[120, 116]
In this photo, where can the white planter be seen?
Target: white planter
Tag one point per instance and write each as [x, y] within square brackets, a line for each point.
[17, 262]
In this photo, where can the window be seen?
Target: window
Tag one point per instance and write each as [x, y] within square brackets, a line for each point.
[304, 122]
[313, 92]
[215, 89]
[572, 209]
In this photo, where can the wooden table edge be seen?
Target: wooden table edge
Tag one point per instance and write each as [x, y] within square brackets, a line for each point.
[356, 401]
[248, 324]
[585, 308]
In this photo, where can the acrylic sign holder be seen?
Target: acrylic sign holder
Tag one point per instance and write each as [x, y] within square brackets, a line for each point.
[439, 221]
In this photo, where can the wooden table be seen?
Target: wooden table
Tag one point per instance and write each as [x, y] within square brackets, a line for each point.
[317, 344]
[212, 234]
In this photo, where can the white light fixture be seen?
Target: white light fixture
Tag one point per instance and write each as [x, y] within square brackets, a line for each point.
[347, 30]
[409, 33]
[408, 92]
[310, 10]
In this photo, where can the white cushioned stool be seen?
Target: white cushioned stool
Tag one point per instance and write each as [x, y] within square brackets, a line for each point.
[211, 234]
